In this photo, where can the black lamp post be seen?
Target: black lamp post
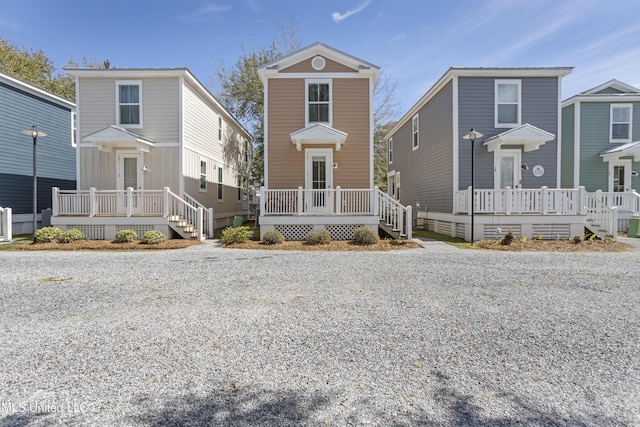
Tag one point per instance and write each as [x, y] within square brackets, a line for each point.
[472, 136]
[34, 133]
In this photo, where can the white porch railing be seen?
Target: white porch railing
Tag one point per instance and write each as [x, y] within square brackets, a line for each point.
[509, 201]
[338, 202]
[625, 201]
[601, 217]
[127, 203]
[6, 225]
[208, 218]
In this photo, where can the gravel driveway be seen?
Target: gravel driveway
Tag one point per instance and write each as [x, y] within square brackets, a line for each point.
[210, 336]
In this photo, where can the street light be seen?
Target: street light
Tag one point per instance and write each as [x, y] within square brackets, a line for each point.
[34, 133]
[472, 136]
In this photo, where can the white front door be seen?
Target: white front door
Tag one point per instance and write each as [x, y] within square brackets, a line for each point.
[129, 174]
[319, 179]
[620, 176]
[507, 169]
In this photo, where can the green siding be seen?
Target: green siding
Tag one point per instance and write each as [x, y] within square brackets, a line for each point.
[609, 90]
[567, 150]
[594, 138]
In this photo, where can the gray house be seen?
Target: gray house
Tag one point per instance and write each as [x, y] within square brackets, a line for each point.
[516, 181]
[23, 105]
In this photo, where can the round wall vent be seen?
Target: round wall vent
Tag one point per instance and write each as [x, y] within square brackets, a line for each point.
[318, 63]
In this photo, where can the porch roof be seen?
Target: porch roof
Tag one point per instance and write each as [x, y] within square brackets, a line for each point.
[318, 134]
[628, 149]
[112, 136]
[530, 137]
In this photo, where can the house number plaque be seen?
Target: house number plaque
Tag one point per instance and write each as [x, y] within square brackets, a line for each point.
[538, 171]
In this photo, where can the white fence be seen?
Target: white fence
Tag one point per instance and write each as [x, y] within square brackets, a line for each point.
[6, 225]
[130, 202]
[624, 201]
[337, 202]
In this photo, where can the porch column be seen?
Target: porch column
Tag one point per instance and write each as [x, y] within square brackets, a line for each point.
[338, 198]
[263, 201]
[55, 209]
[582, 200]
[470, 201]
[300, 201]
[211, 223]
[409, 222]
[129, 201]
[200, 223]
[374, 201]
[165, 200]
[545, 200]
[7, 224]
[92, 201]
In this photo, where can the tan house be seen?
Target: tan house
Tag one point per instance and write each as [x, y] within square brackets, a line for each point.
[155, 150]
[319, 144]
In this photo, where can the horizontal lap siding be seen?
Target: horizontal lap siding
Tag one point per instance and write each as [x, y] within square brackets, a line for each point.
[16, 192]
[56, 158]
[201, 125]
[285, 114]
[568, 147]
[594, 138]
[330, 67]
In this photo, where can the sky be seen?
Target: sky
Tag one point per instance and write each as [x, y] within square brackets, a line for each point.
[413, 41]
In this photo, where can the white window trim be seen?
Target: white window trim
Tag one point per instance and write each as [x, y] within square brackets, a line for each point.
[415, 133]
[307, 82]
[206, 171]
[128, 83]
[629, 138]
[74, 128]
[390, 150]
[497, 82]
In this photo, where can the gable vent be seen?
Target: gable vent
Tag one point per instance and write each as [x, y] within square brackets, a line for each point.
[318, 63]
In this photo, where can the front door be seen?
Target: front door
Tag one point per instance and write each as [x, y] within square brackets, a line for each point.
[507, 169]
[620, 176]
[129, 174]
[319, 181]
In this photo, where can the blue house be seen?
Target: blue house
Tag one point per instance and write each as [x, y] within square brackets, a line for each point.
[23, 105]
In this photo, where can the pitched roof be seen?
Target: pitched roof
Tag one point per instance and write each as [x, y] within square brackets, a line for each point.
[34, 90]
[624, 92]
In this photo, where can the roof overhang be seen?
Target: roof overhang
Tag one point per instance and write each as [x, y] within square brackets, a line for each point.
[624, 150]
[112, 137]
[530, 137]
[318, 134]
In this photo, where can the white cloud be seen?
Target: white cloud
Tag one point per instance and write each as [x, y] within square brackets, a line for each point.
[399, 37]
[337, 17]
[205, 12]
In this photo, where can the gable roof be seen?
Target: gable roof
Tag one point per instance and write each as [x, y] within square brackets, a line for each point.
[621, 92]
[36, 91]
[628, 149]
[529, 136]
[114, 136]
[453, 72]
[318, 134]
[321, 49]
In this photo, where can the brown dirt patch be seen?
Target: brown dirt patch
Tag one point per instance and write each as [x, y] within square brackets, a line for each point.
[555, 246]
[106, 245]
[336, 245]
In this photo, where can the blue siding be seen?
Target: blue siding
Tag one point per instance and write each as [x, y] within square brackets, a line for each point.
[476, 110]
[20, 110]
[16, 192]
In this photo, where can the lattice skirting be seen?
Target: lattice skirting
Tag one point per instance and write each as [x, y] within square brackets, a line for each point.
[294, 232]
[342, 232]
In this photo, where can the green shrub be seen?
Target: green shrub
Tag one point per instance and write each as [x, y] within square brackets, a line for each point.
[71, 236]
[236, 234]
[153, 237]
[318, 237]
[48, 234]
[273, 238]
[125, 236]
[365, 236]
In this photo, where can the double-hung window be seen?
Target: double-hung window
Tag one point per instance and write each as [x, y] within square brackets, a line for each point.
[508, 107]
[318, 105]
[219, 182]
[203, 175]
[129, 103]
[390, 147]
[620, 122]
[415, 132]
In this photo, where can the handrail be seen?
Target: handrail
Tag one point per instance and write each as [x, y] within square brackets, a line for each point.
[208, 219]
[605, 217]
[176, 206]
[509, 201]
[396, 215]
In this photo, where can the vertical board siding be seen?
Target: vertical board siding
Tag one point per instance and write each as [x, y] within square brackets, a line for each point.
[56, 158]
[568, 147]
[476, 110]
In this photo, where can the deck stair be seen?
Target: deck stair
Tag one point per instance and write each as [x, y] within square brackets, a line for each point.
[183, 227]
[395, 219]
[601, 220]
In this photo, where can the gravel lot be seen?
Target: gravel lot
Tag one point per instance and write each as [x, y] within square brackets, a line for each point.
[210, 336]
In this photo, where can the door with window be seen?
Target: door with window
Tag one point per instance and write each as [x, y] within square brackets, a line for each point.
[319, 181]
[129, 174]
[620, 176]
[507, 169]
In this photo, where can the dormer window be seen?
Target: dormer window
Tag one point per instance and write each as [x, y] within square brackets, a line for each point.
[318, 103]
[129, 103]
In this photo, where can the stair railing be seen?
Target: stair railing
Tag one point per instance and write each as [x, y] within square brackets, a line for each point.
[208, 218]
[394, 214]
[176, 206]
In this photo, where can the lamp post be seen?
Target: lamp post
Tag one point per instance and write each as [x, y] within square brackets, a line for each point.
[34, 133]
[472, 136]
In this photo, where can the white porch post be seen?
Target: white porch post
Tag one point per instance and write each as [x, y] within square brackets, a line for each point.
[211, 224]
[129, 201]
[7, 224]
[263, 201]
[614, 223]
[545, 200]
[470, 202]
[409, 222]
[338, 198]
[300, 201]
[374, 201]
[92, 202]
[200, 222]
[165, 200]
[582, 200]
[54, 201]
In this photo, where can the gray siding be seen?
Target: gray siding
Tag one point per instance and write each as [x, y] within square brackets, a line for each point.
[16, 192]
[476, 110]
[568, 146]
[426, 174]
[19, 110]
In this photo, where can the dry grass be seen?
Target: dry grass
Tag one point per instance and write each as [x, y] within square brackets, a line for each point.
[104, 245]
[555, 246]
[335, 245]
